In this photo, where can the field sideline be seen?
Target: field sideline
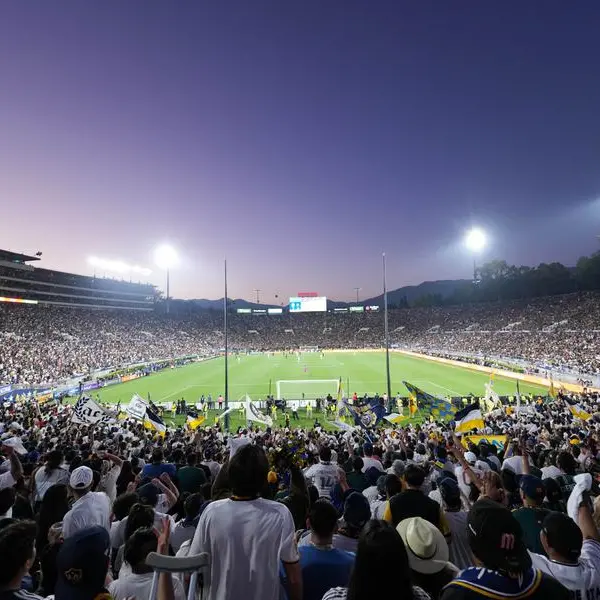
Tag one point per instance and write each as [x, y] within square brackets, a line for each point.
[365, 372]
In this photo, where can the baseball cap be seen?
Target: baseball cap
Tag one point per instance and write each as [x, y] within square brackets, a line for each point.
[81, 478]
[470, 457]
[357, 510]
[495, 538]
[148, 494]
[532, 487]
[563, 535]
[82, 564]
[449, 490]
[425, 545]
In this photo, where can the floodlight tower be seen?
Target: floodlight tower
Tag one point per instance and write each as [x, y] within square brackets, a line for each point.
[165, 257]
[475, 241]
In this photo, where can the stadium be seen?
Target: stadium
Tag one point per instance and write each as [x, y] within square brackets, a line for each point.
[65, 334]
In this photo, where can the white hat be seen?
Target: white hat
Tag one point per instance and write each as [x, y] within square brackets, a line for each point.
[425, 545]
[16, 443]
[16, 426]
[81, 478]
[470, 457]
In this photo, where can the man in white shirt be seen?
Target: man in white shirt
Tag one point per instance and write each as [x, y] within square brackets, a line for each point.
[573, 552]
[368, 460]
[90, 508]
[248, 537]
[324, 475]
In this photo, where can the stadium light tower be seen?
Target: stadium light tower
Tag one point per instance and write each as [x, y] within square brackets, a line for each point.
[475, 241]
[166, 258]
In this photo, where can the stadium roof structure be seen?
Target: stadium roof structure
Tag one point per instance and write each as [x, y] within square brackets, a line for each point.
[16, 257]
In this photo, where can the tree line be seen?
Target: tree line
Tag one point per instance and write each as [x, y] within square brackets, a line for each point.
[498, 281]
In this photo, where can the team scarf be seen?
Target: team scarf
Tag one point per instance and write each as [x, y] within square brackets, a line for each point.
[495, 585]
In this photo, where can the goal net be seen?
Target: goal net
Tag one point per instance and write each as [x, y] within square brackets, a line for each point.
[307, 389]
[308, 349]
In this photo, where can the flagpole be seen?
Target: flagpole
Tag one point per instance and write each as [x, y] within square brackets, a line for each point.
[226, 351]
[386, 332]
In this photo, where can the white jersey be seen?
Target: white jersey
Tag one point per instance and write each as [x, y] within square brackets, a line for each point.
[323, 476]
[582, 579]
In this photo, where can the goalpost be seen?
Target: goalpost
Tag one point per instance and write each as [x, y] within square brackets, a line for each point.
[308, 389]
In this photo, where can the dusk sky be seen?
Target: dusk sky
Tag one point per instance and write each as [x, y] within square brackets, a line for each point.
[299, 139]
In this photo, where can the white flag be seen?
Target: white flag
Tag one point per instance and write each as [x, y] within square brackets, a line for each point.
[253, 414]
[137, 407]
[88, 412]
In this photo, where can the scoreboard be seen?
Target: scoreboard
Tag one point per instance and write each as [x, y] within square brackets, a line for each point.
[302, 304]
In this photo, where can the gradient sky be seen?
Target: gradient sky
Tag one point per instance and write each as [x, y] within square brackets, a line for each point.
[301, 139]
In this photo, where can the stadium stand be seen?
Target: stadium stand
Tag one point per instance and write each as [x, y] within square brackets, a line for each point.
[19, 279]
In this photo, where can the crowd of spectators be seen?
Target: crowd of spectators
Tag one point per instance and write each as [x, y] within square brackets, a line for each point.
[45, 344]
[301, 514]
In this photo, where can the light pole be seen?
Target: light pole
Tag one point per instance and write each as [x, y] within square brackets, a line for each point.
[166, 258]
[475, 241]
[357, 289]
[226, 344]
[386, 331]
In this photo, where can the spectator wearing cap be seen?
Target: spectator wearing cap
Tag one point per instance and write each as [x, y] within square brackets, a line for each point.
[466, 473]
[323, 566]
[17, 555]
[356, 513]
[573, 552]
[428, 555]
[381, 568]
[412, 502]
[456, 517]
[504, 568]
[531, 516]
[82, 565]
[247, 536]
[90, 508]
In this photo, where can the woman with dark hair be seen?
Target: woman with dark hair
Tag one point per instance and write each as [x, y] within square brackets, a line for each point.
[380, 552]
[48, 475]
[126, 476]
[140, 516]
[52, 510]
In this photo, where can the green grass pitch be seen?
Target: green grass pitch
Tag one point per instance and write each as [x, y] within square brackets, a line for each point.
[256, 375]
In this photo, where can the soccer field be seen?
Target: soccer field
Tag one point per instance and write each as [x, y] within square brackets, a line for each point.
[361, 372]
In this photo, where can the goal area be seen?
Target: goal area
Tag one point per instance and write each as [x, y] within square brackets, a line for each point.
[306, 389]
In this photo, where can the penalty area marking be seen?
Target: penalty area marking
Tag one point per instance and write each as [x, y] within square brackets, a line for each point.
[441, 387]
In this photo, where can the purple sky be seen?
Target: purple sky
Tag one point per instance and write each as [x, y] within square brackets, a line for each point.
[300, 139]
